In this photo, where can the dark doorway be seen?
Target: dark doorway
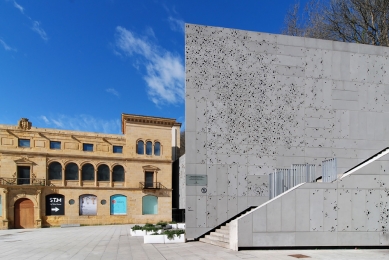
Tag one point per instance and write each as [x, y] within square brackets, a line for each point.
[23, 175]
[149, 178]
[24, 213]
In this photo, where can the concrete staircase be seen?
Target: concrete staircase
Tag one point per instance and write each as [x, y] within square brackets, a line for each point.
[220, 237]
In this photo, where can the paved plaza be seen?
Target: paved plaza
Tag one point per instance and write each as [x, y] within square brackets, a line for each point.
[115, 242]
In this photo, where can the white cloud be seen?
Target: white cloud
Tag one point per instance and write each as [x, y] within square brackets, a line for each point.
[18, 6]
[81, 123]
[165, 73]
[36, 27]
[44, 118]
[176, 24]
[6, 46]
[113, 91]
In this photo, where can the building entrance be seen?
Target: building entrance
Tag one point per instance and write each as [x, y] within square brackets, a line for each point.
[24, 214]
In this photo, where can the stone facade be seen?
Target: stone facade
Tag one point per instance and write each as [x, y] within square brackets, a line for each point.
[256, 102]
[105, 165]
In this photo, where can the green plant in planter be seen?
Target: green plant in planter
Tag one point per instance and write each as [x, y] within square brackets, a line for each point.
[150, 227]
[136, 227]
[162, 223]
[173, 232]
[172, 222]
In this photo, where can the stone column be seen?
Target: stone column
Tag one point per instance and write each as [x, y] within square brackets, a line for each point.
[5, 212]
[110, 177]
[79, 177]
[95, 177]
[63, 176]
[38, 199]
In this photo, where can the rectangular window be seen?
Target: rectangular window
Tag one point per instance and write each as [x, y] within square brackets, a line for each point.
[117, 149]
[87, 147]
[24, 142]
[55, 145]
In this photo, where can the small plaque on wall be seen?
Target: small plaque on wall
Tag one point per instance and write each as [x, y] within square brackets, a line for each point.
[196, 180]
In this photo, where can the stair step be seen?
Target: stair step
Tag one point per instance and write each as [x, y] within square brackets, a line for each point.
[223, 231]
[220, 234]
[225, 227]
[218, 238]
[214, 242]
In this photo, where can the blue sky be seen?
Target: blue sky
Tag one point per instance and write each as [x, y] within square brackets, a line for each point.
[79, 64]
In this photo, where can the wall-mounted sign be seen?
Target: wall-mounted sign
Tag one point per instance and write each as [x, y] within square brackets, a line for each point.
[196, 180]
[118, 205]
[204, 190]
[55, 205]
[88, 205]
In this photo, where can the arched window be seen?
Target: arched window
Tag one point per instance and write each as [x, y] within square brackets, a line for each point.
[103, 173]
[149, 148]
[88, 172]
[149, 205]
[55, 171]
[118, 205]
[118, 173]
[140, 149]
[157, 148]
[71, 172]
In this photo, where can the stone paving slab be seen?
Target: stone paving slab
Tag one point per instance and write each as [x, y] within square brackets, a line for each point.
[115, 242]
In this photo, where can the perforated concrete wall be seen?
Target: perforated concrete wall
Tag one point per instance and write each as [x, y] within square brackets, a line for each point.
[353, 211]
[256, 102]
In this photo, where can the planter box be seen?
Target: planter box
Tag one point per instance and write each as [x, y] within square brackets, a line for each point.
[154, 239]
[138, 233]
[174, 226]
[181, 225]
[176, 239]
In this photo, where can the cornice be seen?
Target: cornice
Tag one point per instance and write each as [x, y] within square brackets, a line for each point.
[86, 156]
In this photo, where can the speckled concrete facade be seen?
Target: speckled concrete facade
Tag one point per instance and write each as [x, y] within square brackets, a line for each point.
[256, 102]
[352, 211]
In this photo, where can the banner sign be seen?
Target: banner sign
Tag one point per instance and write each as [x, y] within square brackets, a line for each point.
[118, 205]
[55, 205]
[88, 205]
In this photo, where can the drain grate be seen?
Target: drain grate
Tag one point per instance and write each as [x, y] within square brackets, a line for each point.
[300, 256]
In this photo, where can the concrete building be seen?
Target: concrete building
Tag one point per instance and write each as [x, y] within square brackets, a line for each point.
[52, 177]
[258, 102]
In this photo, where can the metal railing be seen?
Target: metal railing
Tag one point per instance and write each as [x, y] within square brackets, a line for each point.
[329, 170]
[22, 181]
[284, 179]
[151, 185]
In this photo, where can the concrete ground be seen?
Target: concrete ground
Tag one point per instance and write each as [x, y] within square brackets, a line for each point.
[115, 242]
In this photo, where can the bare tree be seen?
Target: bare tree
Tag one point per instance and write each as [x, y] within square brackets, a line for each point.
[360, 21]
[182, 143]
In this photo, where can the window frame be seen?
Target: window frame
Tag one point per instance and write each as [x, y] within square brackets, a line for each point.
[55, 142]
[21, 140]
[149, 145]
[117, 146]
[138, 145]
[85, 145]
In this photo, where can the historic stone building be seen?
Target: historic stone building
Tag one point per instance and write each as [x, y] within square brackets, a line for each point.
[51, 177]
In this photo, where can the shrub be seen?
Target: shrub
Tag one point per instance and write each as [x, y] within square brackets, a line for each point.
[137, 227]
[162, 223]
[173, 232]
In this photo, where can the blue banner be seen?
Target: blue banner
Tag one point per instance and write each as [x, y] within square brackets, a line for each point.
[118, 205]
